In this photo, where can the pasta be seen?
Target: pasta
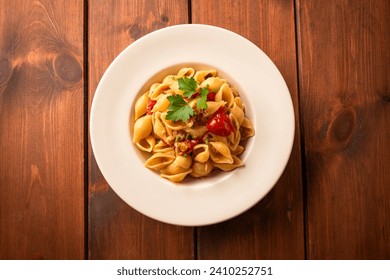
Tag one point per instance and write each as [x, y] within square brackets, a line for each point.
[191, 123]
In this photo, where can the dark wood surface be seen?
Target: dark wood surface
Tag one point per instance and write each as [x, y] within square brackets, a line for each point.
[345, 105]
[333, 199]
[41, 130]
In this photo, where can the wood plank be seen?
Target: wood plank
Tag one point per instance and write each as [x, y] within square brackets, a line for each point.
[345, 101]
[116, 231]
[273, 229]
[41, 130]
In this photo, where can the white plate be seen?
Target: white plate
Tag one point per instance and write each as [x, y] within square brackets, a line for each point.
[202, 201]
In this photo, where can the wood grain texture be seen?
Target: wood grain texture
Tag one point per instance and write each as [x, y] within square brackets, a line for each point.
[273, 229]
[345, 93]
[116, 231]
[41, 130]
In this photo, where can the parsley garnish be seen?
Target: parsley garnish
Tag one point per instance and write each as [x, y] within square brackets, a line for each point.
[202, 102]
[188, 86]
[179, 109]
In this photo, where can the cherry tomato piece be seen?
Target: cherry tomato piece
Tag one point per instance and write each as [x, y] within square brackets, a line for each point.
[220, 124]
[150, 105]
[211, 96]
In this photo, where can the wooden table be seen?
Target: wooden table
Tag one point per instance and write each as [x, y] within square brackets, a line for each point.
[332, 201]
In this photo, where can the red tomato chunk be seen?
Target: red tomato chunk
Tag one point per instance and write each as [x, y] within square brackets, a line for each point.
[211, 96]
[220, 124]
[150, 105]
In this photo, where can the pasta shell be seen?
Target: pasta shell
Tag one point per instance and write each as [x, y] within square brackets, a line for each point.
[169, 79]
[201, 169]
[183, 162]
[196, 131]
[186, 72]
[238, 113]
[180, 164]
[142, 128]
[234, 139]
[178, 169]
[174, 88]
[154, 86]
[239, 103]
[239, 150]
[220, 153]
[231, 166]
[201, 75]
[176, 178]
[178, 125]
[159, 161]
[146, 144]
[235, 91]
[201, 153]
[246, 129]
[140, 105]
[158, 126]
[154, 94]
[162, 103]
[162, 147]
[225, 94]
[217, 138]
[213, 83]
[213, 106]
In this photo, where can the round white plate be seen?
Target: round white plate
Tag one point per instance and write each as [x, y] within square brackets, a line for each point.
[198, 201]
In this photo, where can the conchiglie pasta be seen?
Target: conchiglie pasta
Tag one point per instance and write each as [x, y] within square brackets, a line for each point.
[239, 103]
[176, 177]
[201, 153]
[142, 128]
[183, 162]
[201, 169]
[213, 83]
[196, 131]
[220, 153]
[225, 94]
[155, 93]
[146, 144]
[238, 150]
[174, 88]
[162, 103]
[170, 79]
[175, 125]
[208, 138]
[186, 72]
[234, 139]
[140, 105]
[159, 129]
[238, 113]
[163, 147]
[178, 169]
[200, 76]
[159, 161]
[246, 129]
[230, 166]
[213, 106]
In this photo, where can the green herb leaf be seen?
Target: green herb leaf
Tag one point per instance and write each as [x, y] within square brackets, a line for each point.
[202, 102]
[188, 86]
[179, 109]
